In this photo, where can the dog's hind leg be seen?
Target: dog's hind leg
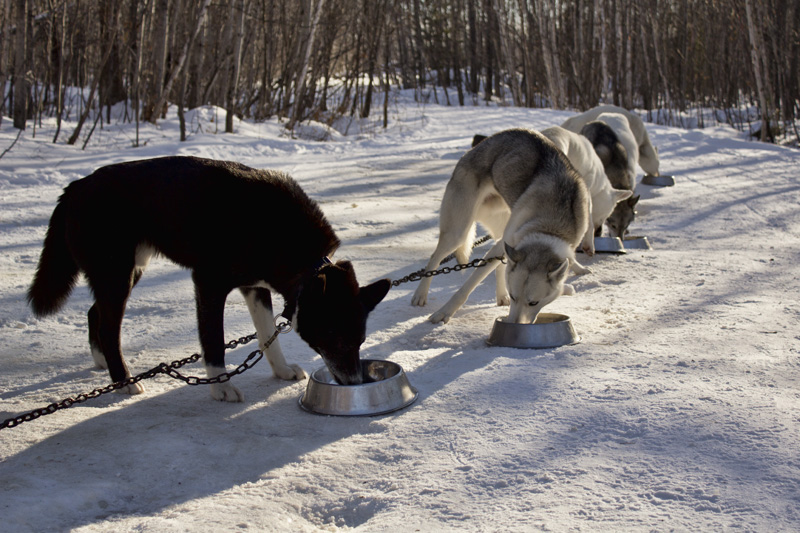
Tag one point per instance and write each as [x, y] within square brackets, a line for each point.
[105, 324]
[456, 224]
[210, 299]
[460, 297]
[94, 335]
[259, 303]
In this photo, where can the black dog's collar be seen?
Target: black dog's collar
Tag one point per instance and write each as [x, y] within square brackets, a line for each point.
[291, 305]
[321, 263]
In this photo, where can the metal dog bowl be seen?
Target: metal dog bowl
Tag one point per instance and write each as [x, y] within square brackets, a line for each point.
[550, 330]
[636, 242]
[385, 389]
[662, 180]
[609, 245]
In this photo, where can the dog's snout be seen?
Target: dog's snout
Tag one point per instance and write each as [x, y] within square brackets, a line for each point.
[349, 378]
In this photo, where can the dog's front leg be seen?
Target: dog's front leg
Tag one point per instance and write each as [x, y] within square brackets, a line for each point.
[460, 297]
[502, 288]
[259, 303]
[578, 268]
[210, 309]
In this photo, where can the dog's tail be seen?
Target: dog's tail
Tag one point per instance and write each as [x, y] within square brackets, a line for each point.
[57, 272]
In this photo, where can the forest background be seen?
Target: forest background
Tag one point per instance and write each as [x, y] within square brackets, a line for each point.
[686, 62]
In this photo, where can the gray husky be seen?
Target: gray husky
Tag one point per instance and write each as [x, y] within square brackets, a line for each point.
[536, 206]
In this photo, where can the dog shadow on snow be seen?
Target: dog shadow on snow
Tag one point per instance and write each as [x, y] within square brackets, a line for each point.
[111, 463]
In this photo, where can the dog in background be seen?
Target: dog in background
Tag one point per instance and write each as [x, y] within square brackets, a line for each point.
[615, 145]
[580, 152]
[646, 153]
[533, 203]
[210, 217]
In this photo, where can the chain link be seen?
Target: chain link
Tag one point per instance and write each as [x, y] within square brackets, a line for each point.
[170, 369]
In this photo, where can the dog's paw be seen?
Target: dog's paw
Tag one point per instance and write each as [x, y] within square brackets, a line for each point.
[441, 315]
[419, 299]
[291, 373]
[503, 300]
[132, 389]
[588, 249]
[99, 359]
[568, 290]
[225, 392]
[578, 268]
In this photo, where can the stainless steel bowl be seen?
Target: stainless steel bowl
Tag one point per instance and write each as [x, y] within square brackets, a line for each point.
[636, 242]
[550, 330]
[385, 389]
[662, 180]
[608, 245]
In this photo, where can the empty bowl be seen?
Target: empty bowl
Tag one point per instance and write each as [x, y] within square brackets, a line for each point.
[636, 242]
[385, 389]
[662, 180]
[550, 330]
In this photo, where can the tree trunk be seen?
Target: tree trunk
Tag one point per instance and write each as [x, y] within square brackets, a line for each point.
[233, 88]
[160, 29]
[21, 67]
[92, 92]
[300, 84]
[187, 46]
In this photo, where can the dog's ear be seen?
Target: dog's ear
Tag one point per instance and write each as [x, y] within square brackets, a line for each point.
[512, 253]
[632, 201]
[559, 271]
[372, 294]
[622, 194]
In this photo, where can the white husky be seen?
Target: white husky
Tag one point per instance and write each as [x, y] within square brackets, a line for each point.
[647, 153]
[579, 151]
[547, 219]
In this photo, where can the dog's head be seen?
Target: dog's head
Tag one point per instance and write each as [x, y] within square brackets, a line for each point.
[604, 203]
[535, 278]
[622, 217]
[332, 315]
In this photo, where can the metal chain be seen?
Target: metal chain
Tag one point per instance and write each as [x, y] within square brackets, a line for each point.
[422, 273]
[170, 369]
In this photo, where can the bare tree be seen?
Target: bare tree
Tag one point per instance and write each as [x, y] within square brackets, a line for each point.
[21, 67]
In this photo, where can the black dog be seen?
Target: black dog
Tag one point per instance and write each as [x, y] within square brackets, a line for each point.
[212, 217]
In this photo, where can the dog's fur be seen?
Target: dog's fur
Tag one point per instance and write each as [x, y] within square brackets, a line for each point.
[613, 142]
[536, 206]
[212, 217]
[647, 153]
[580, 152]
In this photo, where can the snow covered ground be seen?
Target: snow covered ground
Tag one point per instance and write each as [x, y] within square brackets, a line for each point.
[678, 410]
